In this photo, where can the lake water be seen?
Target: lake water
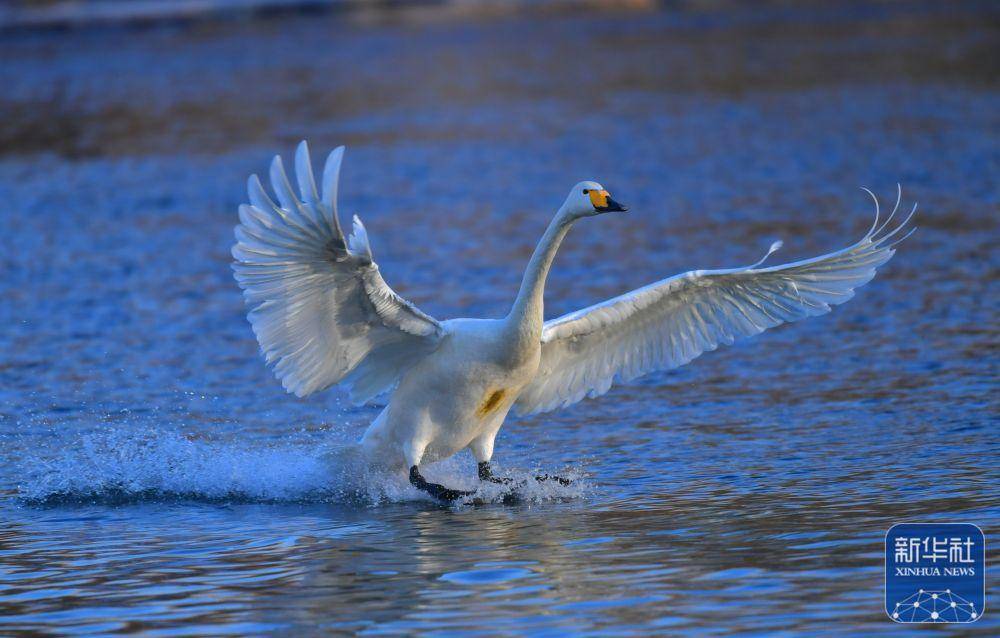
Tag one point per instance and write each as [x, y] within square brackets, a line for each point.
[155, 478]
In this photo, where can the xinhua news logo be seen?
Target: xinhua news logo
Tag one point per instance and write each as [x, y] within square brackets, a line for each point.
[935, 573]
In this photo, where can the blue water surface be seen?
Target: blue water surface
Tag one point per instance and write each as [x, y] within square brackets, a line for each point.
[155, 478]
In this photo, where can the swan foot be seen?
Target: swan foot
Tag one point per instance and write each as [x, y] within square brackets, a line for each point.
[440, 492]
[486, 474]
[550, 477]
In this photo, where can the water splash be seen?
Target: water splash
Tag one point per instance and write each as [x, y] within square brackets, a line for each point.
[116, 466]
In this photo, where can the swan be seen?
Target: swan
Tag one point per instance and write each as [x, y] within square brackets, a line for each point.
[323, 314]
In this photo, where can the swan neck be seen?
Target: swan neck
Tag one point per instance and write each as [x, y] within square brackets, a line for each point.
[527, 314]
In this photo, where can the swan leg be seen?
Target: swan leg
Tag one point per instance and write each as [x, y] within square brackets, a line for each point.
[413, 452]
[436, 490]
[486, 474]
[482, 450]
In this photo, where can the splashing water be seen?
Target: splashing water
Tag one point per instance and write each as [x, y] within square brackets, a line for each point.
[116, 466]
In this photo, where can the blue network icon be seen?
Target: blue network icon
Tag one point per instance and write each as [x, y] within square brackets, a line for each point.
[935, 606]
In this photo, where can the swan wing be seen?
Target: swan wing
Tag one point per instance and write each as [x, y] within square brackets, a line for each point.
[667, 324]
[318, 304]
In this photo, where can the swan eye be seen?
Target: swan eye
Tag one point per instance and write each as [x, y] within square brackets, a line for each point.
[586, 191]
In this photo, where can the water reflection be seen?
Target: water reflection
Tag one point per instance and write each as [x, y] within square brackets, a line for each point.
[682, 561]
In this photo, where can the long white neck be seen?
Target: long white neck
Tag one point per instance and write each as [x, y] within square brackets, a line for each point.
[528, 313]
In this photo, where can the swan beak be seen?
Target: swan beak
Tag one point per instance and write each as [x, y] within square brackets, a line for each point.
[603, 203]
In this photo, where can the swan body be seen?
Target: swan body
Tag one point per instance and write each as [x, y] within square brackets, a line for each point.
[452, 401]
[323, 315]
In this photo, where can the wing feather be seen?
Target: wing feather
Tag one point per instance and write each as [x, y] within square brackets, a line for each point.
[669, 323]
[320, 310]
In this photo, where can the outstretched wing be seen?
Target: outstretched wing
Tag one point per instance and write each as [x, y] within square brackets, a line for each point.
[668, 323]
[320, 309]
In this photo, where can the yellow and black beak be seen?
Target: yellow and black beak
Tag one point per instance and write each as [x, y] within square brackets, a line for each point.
[604, 204]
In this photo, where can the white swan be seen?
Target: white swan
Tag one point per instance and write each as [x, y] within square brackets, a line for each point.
[323, 314]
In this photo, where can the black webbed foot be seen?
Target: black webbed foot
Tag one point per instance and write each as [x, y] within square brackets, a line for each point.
[436, 490]
[550, 477]
[486, 474]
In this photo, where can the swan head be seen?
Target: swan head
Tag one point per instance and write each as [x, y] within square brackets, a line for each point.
[587, 199]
